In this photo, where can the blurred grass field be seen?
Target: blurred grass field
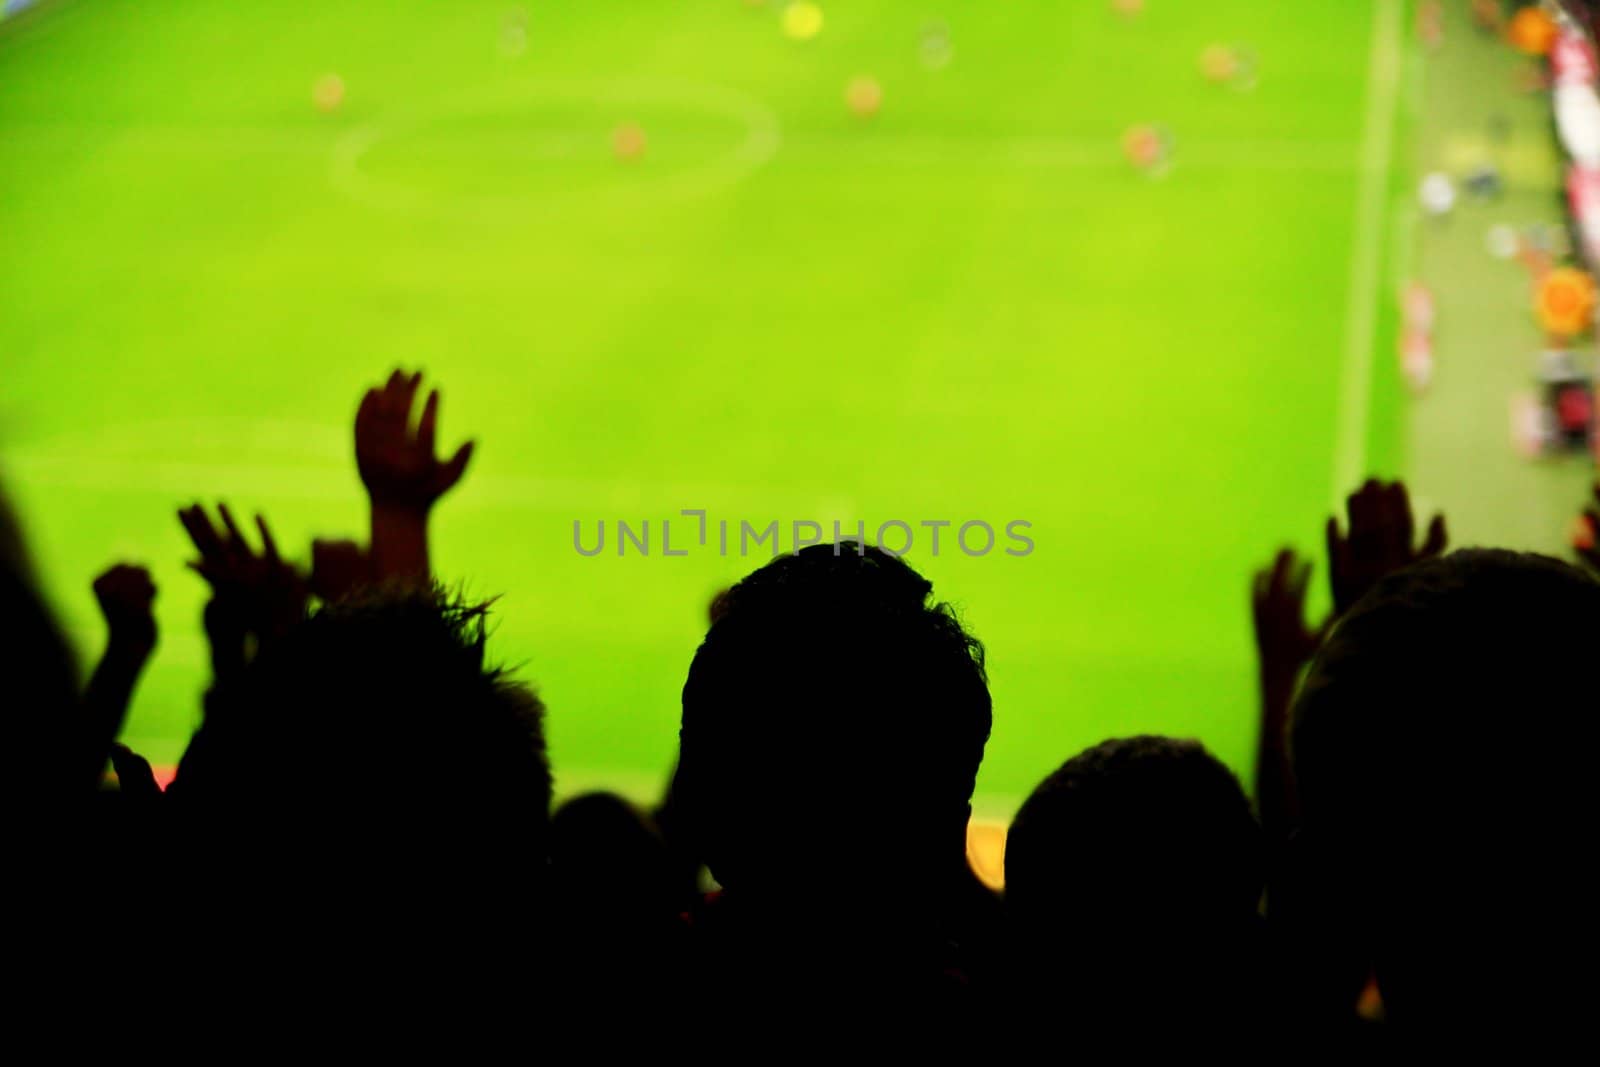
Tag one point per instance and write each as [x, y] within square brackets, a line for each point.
[967, 307]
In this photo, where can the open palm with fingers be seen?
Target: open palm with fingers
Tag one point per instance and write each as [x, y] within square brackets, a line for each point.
[255, 593]
[1278, 607]
[396, 461]
[1381, 539]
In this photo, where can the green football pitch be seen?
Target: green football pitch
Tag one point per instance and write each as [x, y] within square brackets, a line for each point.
[968, 307]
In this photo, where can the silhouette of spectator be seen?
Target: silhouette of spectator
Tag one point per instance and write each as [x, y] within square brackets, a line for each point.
[363, 776]
[608, 857]
[668, 818]
[257, 598]
[63, 834]
[617, 893]
[62, 737]
[833, 723]
[1133, 884]
[1379, 539]
[1442, 742]
[376, 792]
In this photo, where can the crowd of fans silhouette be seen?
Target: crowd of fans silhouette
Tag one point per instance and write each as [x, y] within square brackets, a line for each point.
[1413, 854]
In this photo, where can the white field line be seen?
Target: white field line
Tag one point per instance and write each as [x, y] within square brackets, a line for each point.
[1366, 260]
[574, 143]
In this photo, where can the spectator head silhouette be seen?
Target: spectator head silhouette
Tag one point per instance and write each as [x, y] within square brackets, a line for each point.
[376, 723]
[1133, 883]
[608, 860]
[834, 717]
[1140, 837]
[1442, 742]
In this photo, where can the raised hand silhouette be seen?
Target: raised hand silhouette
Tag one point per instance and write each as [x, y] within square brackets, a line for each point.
[1381, 540]
[1284, 645]
[397, 463]
[254, 594]
[126, 594]
[404, 478]
[1278, 607]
